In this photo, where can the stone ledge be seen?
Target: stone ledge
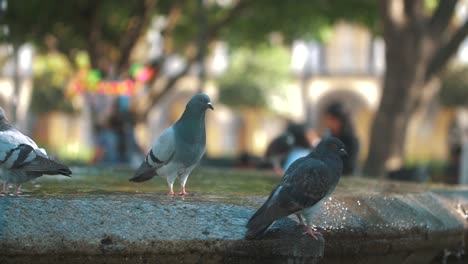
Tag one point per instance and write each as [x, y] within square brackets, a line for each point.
[115, 229]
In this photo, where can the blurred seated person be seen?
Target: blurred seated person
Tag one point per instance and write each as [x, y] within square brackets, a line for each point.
[338, 124]
[286, 148]
[278, 149]
[301, 146]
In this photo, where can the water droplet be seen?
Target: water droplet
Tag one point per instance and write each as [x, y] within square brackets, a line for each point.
[344, 218]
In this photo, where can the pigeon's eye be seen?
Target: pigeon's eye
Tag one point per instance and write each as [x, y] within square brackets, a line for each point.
[332, 146]
[200, 100]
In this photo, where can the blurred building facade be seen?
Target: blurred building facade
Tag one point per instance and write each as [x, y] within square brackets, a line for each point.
[347, 68]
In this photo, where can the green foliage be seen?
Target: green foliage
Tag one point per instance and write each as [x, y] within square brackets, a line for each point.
[99, 27]
[71, 22]
[454, 91]
[297, 19]
[253, 24]
[51, 73]
[253, 74]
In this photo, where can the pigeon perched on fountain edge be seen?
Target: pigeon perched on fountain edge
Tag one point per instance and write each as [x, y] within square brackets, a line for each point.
[179, 148]
[303, 187]
[21, 160]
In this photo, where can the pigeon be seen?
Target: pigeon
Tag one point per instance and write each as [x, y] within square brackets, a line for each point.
[179, 148]
[21, 160]
[306, 183]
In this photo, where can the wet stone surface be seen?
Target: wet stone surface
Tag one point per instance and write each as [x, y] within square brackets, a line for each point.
[364, 222]
[171, 228]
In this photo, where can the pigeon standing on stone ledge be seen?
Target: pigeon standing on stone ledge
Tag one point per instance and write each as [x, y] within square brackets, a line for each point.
[304, 185]
[21, 160]
[179, 148]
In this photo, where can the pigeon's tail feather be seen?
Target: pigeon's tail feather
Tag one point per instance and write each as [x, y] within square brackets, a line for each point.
[44, 165]
[262, 220]
[144, 173]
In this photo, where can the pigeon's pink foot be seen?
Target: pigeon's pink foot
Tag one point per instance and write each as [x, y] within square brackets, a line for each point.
[171, 193]
[312, 233]
[17, 190]
[183, 192]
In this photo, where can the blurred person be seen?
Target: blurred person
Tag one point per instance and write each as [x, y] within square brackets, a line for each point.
[338, 124]
[301, 146]
[287, 147]
[107, 133]
[278, 149]
[453, 166]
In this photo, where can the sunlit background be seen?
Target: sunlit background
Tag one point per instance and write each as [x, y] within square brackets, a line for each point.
[97, 82]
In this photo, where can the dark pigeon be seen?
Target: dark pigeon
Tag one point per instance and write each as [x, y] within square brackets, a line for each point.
[21, 160]
[303, 187]
[179, 148]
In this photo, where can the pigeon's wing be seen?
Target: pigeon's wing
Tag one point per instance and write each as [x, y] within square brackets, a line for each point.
[16, 149]
[42, 164]
[304, 184]
[160, 154]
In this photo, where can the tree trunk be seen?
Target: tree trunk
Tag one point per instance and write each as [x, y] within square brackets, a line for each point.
[417, 49]
[406, 60]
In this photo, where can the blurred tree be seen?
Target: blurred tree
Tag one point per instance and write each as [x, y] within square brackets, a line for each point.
[106, 29]
[420, 39]
[51, 73]
[245, 23]
[454, 90]
[252, 73]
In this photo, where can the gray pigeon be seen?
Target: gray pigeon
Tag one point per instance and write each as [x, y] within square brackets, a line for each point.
[21, 160]
[179, 148]
[304, 185]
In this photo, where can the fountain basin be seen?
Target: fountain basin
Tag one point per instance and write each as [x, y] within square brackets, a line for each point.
[391, 223]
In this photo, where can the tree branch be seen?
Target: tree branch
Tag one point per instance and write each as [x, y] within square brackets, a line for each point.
[90, 13]
[390, 19]
[212, 31]
[442, 56]
[413, 9]
[128, 40]
[172, 20]
[441, 17]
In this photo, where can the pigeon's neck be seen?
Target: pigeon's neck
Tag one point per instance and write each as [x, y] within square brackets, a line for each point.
[331, 160]
[191, 126]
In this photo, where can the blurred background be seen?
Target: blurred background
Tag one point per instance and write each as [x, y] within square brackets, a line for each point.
[96, 82]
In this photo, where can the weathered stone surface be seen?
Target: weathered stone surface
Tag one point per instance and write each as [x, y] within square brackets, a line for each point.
[359, 228]
[171, 229]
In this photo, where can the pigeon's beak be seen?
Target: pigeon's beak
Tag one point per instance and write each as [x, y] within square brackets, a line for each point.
[210, 106]
[343, 152]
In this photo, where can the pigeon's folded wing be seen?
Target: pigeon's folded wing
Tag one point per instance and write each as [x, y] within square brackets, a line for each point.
[303, 185]
[159, 155]
[163, 150]
[311, 183]
[16, 149]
